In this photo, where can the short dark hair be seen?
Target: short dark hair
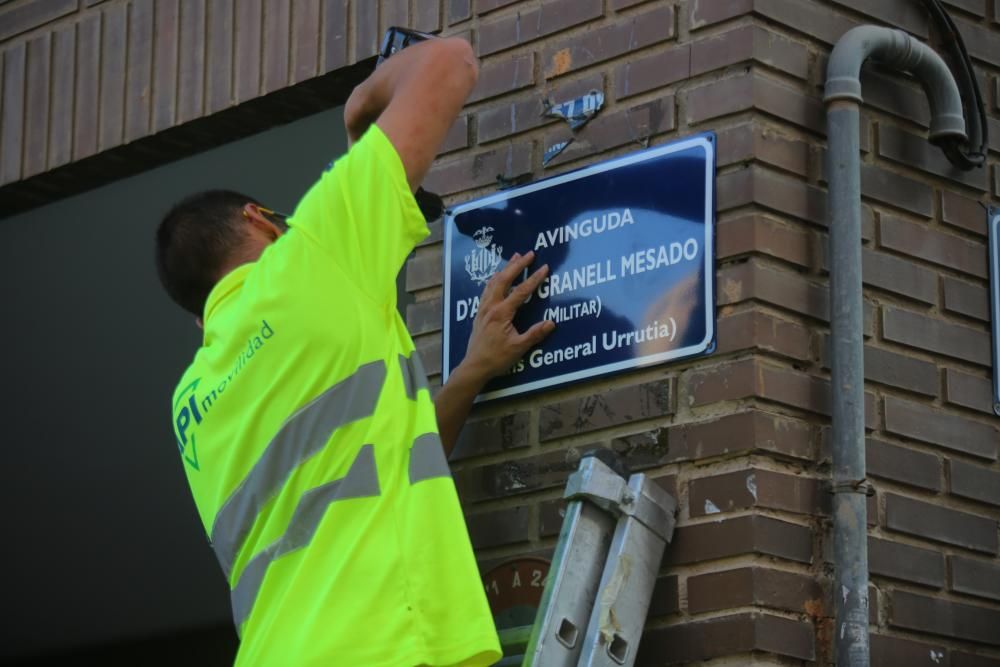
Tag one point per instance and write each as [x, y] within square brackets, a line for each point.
[194, 241]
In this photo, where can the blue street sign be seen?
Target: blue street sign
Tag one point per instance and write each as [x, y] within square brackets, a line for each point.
[630, 249]
[993, 226]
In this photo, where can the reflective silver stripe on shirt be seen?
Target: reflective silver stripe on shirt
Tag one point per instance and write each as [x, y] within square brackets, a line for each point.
[414, 377]
[300, 437]
[427, 459]
[361, 481]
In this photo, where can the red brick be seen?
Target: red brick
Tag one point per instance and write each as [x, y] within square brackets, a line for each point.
[897, 370]
[457, 137]
[749, 43]
[472, 171]
[277, 17]
[756, 234]
[735, 434]
[429, 348]
[609, 408]
[750, 378]
[535, 22]
[892, 369]
[922, 242]
[753, 141]
[979, 41]
[896, 190]
[755, 488]
[86, 101]
[492, 435]
[305, 39]
[960, 659]
[752, 534]
[940, 524]
[487, 6]
[611, 41]
[36, 98]
[25, 16]
[424, 316]
[656, 70]
[756, 330]
[139, 74]
[248, 34]
[219, 63]
[964, 299]
[897, 275]
[692, 642]
[819, 21]
[774, 191]
[751, 587]
[904, 15]
[427, 16]
[365, 22]
[743, 92]
[517, 476]
[424, 270]
[498, 528]
[665, 600]
[61, 121]
[974, 482]
[975, 577]
[635, 125]
[968, 391]
[904, 465]
[458, 11]
[191, 67]
[12, 120]
[393, 13]
[977, 7]
[335, 27]
[940, 617]
[756, 280]
[937, 336]
[920, 422]
[905, 563]
[914, 151]
[504, 76]
[709, 12]
[893, 651]
[963, 213]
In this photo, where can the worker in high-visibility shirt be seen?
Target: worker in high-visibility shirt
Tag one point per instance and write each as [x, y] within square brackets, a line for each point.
[310, 440]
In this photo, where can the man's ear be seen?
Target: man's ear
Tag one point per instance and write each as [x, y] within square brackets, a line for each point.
[261, 222]
[200, 323]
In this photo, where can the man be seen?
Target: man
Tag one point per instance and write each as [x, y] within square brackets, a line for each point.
[310, 439]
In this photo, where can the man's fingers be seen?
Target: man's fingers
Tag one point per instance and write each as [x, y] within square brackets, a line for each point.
[505, 278]
[520, 293]
[535, 334]
[497, 286]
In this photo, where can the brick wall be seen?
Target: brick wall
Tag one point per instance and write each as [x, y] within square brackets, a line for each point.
[741, 437]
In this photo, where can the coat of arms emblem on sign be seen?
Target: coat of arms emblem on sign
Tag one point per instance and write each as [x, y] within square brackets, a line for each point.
[483, 261]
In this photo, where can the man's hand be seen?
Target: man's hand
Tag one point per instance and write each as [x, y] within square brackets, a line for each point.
[494, 346]
[414, 97]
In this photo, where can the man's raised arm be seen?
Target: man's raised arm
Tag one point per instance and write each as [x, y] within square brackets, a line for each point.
[414, 98]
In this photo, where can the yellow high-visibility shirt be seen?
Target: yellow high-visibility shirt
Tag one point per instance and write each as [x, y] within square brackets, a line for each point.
[310, 443]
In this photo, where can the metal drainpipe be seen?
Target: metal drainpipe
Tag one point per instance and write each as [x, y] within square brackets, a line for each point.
[896, 49]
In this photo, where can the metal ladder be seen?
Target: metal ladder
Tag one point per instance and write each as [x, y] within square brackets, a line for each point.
[603, 571]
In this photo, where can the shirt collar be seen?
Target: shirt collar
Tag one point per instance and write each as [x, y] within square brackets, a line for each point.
[229, 283]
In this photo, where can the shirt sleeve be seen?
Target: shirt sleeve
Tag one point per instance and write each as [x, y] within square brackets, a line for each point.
[361, 211]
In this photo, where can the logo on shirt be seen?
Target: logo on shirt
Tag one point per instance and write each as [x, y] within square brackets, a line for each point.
[193, 404]
[484, 260]
[187, 416]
